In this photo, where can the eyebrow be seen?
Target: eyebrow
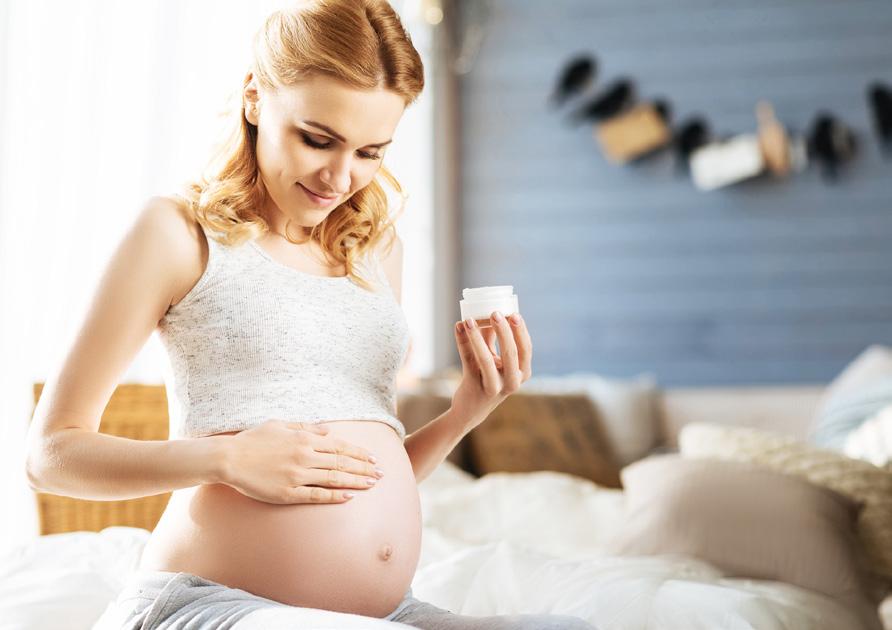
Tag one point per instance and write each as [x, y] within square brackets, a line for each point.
[334, 133]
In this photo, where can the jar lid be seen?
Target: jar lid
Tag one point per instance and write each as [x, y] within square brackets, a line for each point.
[488, 293]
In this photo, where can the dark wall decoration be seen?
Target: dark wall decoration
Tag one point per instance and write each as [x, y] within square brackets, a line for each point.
[628, 131]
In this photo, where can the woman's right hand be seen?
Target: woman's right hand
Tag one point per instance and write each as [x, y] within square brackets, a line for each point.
[296, 462]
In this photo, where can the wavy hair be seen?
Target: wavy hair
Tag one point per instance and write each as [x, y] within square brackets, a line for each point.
[361, 43]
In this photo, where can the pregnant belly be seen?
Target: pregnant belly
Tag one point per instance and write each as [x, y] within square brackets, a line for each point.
[357, 557]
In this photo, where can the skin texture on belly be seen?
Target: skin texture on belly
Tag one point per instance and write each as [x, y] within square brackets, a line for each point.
[357, 557]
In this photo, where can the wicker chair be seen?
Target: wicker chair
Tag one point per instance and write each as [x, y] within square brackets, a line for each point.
[133, 411]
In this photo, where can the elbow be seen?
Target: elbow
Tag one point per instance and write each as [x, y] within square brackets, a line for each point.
[31, 475]
[32, 461]
[36, 464]
[38, 457]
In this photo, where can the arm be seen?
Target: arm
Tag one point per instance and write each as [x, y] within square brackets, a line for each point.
[65, 453]
[431, 444]
[88, 465]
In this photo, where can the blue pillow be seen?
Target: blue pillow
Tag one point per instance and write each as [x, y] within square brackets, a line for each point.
[844, 413]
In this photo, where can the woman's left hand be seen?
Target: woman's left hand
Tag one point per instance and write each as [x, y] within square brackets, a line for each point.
[487, 378]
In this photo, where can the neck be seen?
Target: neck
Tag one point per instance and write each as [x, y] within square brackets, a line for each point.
[278, 222]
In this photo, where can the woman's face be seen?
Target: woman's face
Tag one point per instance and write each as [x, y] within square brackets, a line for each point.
[317, 144]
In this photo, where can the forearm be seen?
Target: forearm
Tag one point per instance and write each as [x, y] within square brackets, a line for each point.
[431, 444]
[87, 465]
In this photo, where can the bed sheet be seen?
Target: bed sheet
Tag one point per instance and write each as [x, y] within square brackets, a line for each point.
[505, 543]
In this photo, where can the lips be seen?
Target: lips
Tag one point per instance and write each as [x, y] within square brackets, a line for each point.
[326, 197]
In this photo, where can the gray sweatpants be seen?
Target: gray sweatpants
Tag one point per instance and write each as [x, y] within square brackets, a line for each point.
[164, 600]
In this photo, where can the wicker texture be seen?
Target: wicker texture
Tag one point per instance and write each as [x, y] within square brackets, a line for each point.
[134, 411]
[854, 478]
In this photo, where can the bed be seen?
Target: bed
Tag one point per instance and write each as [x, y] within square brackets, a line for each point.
[506, 542]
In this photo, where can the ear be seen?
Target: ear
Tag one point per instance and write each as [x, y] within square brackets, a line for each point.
[251, 99]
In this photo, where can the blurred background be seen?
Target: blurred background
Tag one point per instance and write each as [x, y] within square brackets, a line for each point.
[627, 254]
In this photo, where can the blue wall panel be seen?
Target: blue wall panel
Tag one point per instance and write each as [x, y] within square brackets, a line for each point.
[622, 270]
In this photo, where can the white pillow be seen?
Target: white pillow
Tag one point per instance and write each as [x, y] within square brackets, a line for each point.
[856, 394]
[71, 577]
[874, 363]
[872, 441]
[628, 407]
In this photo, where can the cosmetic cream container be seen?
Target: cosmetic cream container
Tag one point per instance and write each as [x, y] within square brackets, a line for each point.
[723, 163]
[480, 302]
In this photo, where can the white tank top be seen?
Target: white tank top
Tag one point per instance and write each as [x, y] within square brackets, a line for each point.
[255, 339]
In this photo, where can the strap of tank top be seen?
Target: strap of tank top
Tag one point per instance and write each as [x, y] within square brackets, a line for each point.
[215, 251]
[376, 268]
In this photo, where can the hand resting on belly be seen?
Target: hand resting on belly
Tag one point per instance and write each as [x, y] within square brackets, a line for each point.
[287, 462]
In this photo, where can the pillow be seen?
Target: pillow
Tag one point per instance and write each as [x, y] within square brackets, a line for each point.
[872, 441]
[873, 364]
[628, 408]
[746, 521]
[857, 479]
[531, 432]
[859, 392]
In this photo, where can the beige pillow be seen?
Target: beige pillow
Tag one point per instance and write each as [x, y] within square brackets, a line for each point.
[628, 407]
[857, 479]
[746, 521]
[531, 432]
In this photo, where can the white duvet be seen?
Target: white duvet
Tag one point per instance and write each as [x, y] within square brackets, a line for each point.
[505, 543]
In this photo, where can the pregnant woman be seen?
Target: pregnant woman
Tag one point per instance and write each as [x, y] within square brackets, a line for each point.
[275, 288]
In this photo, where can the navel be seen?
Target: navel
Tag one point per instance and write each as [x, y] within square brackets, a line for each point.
[385, 552]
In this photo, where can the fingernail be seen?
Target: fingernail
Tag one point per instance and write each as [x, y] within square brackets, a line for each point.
[515, 319]
[469, 323]
[497, 316]
[460, 327]
[373, 459]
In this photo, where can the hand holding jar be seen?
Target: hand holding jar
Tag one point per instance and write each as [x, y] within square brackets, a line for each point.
[490, 313]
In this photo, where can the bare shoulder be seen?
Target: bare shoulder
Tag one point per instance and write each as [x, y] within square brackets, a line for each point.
[172, 217]
[185, 242]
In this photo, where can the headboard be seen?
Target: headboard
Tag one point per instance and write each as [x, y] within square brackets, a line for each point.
[133, 411]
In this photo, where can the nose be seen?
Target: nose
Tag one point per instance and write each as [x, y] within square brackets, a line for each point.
[336, 174]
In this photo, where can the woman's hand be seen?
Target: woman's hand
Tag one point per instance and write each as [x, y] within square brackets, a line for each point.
[487, 378]
[295, 462]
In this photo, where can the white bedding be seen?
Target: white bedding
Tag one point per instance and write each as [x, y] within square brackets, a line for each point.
[505, 543]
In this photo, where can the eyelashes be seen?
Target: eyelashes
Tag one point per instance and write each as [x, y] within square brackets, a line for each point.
[325, 145]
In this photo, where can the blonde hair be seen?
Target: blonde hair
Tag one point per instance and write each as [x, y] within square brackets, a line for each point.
[361, 43]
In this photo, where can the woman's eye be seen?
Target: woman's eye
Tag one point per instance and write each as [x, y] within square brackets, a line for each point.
[313, 143]
[309, 141]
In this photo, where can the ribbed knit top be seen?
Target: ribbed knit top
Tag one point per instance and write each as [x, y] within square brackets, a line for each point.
[255, 339]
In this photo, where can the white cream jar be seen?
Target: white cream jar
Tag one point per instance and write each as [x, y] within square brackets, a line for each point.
[480, 302]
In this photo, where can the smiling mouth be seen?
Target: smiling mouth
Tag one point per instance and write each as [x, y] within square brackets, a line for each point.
[323, 197]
